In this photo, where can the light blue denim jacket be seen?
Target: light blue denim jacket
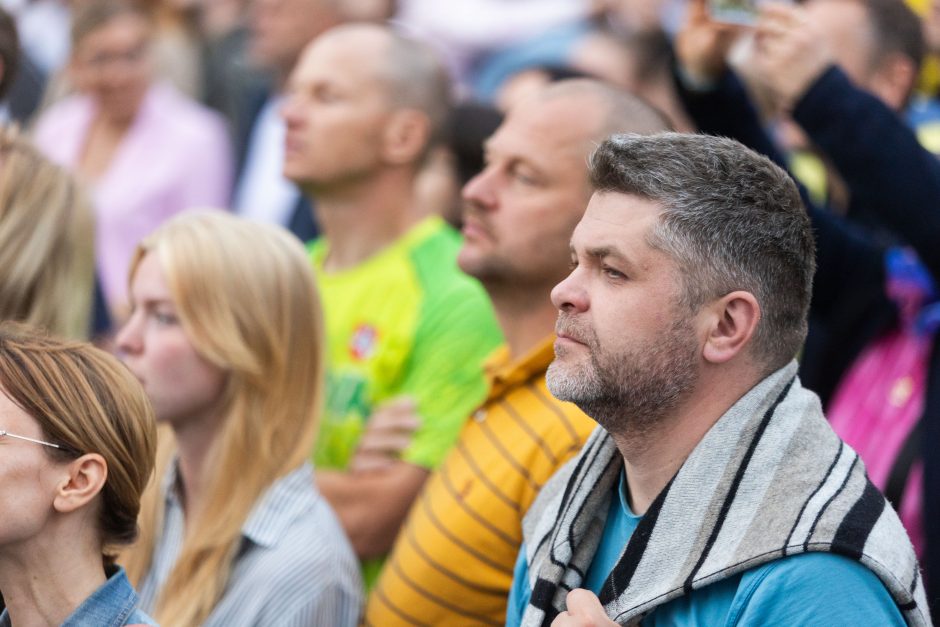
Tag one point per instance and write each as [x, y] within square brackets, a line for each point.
[114, 604]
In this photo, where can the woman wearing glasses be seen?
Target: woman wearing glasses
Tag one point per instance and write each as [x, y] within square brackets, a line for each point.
[225, 335]
[146, 151]
[77, 441]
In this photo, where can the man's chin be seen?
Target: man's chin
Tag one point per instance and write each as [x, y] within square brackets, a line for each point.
[561, 382]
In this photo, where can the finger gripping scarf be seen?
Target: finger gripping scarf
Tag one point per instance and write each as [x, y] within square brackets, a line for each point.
[768, 480]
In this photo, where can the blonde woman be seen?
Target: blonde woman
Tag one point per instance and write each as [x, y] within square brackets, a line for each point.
[46, 242]
[225, 335]
[77, 442]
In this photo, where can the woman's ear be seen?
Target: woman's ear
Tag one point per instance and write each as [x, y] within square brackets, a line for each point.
[732, 321]
[84, 479]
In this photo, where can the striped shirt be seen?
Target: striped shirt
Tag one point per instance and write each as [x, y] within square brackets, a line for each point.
[295, 566]
[453, 561]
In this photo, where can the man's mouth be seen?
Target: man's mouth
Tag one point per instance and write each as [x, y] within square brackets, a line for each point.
[474, 228]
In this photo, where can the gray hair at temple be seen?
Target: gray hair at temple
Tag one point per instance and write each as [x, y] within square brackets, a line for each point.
[730, 218]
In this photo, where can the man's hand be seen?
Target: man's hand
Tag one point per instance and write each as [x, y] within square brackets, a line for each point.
[389, 431]
[584, 610]
[702, 44]
[371, 506]
[790, 52]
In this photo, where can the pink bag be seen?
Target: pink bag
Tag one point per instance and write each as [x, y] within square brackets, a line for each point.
[879, 402]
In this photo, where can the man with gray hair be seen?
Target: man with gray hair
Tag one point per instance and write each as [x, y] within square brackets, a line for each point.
[716, 491]
[406, 331]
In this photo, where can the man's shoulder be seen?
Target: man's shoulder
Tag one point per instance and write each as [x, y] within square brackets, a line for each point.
[815, 588]
[181, 116]
[433, 255]
[547, 420]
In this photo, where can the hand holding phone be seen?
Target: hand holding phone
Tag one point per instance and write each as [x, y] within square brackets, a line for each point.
[734, 11]
[702, 42]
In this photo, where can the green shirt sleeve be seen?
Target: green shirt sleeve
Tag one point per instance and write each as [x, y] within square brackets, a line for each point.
[445, 377]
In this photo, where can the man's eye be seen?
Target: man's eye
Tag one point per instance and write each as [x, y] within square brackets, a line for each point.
[525, 179]
[613, 274]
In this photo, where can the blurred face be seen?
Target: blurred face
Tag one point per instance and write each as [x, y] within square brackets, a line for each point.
[845, 25]
[625, 349]
[112, 64]
[281, 28]
[519, 212]
[335, 112]
[182, 385]
[632, 16]
[932, 27]
[28, 477]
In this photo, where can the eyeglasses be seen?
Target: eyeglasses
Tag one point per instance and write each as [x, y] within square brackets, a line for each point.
[6, 434]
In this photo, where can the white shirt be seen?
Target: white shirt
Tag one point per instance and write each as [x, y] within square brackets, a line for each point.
[294, 568]
[263, 194]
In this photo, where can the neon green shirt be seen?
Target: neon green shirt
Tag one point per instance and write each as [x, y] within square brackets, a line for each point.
[406, 321]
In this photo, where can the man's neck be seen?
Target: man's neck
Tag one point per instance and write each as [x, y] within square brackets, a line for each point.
[652, 456]
[526, 317]
[359, 222]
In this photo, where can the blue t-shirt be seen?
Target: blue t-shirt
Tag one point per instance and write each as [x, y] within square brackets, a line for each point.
[808, 589]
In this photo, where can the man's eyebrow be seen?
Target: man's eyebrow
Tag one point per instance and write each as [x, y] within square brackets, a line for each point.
[528, 160]
[606, 252]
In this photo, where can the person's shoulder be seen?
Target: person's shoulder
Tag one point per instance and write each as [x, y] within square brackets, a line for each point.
[184, 116]
[813, 588]
[558, 414]
[316, 528]
[309, 567]
[138, 618]
[434, 257]
[63, 114]
[310, 548]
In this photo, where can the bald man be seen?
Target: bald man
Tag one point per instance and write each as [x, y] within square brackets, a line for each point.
[406, 330]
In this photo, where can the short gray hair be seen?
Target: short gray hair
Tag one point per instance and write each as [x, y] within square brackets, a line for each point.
[416, 78]
[731, 219]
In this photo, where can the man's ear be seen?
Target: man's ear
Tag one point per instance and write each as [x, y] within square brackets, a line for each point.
[893, 81]
[406, 135]
[84, 479]
[731, 323]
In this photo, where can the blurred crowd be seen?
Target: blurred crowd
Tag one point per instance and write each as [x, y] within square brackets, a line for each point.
[323, 234]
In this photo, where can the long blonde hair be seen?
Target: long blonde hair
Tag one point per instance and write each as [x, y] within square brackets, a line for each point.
[46, 242]
[246, 298]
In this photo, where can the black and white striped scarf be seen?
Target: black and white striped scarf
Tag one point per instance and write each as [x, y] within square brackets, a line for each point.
[769, 479]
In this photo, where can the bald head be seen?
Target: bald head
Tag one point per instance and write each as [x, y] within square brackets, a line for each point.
[364, 103]
[410, 73]
[521, 209]
[619, 111]
[879, 44]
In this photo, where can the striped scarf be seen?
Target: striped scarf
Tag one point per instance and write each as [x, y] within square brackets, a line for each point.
[768, 480]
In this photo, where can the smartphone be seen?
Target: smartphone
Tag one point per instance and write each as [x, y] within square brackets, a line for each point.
[733, 11]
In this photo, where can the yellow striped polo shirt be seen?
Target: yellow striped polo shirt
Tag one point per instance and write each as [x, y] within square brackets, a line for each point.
[452, 563]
